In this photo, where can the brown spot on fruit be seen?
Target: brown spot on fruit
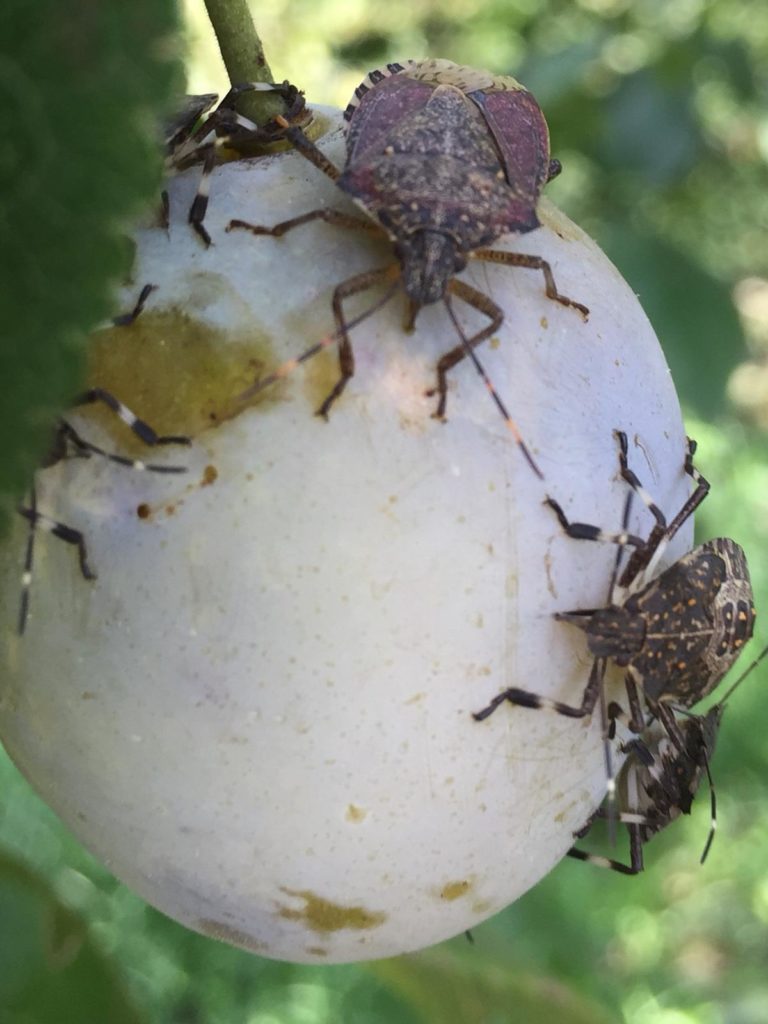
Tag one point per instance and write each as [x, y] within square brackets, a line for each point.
[323, 916]
[455, 890]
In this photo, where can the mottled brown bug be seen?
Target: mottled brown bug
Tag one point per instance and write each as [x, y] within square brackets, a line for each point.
[445, 160]
[659, 781]
[676, 634]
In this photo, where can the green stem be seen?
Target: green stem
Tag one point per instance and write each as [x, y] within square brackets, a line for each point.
[243, 55]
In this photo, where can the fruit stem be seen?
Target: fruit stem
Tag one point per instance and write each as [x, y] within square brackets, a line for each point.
[243, 56]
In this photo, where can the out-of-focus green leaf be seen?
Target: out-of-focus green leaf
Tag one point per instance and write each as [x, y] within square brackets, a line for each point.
[442, 987]
[650, 130]
[49, 968]
[80, 85]
[691, 312]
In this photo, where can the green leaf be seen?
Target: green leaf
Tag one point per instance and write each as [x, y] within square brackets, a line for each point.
[443, 987]
[49, 968]
[81, 85]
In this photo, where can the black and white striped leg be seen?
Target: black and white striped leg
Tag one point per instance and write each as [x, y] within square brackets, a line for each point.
[584, 531]
[635, 866]
[199, 207]
[139, 427]
[644, 559]
[69, 441]
[526, 699]
[37, 521]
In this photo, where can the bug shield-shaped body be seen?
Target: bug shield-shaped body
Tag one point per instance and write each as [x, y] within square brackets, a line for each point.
[443, 169]
[679, 634]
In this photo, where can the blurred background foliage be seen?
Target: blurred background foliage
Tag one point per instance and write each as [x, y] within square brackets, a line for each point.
[658, 111]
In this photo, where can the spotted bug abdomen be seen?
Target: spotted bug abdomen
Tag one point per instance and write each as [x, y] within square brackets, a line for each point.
[700, 613]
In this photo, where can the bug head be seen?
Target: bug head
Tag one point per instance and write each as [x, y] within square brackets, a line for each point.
[612, 632]
[429, 260]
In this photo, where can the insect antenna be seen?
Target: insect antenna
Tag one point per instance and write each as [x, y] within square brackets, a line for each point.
[510, 423]
[712, 810]
[710, 724]
[747, 671]
[290, 365]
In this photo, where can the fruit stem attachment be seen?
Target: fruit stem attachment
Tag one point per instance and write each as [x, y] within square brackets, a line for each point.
[243, 55]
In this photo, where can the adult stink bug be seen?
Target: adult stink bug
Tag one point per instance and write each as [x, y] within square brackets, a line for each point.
[67, 443]
[676, 634]
[659, 781]
[445, 160]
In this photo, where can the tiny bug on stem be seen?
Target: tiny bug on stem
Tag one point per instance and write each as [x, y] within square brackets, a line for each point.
[198, 134]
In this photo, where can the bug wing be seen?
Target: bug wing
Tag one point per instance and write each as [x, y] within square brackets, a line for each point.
[380, 110]
[520, 132]
[514, 120]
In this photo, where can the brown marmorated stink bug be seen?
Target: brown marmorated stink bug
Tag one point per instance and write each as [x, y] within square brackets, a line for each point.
[445, 160]
[68, 443]
[676, 634]
[658, 781]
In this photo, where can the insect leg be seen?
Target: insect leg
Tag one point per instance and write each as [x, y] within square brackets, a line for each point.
[518, 259]
[697, 496]
[38, 521]
[126, 319]
[644, 559]
[290, 365]
[635, 865]
[482, 304]
[309, 150]
[633, 822]
[467, 348]
[359, 283]
[199, 207]
[584, 531]
[139, 427]
[526, 699]
[335, 217]
[68, 441]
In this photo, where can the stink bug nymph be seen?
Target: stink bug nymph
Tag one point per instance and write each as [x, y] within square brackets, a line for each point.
[659, 780]
[445, 160]
[201, 131]
[675, 634]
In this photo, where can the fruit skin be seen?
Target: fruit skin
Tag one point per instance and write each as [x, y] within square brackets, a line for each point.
[259, 715]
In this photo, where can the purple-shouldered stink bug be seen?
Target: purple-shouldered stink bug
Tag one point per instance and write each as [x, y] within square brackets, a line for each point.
[444, 159]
